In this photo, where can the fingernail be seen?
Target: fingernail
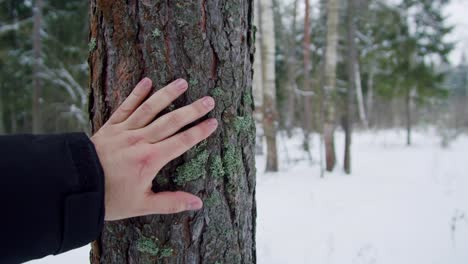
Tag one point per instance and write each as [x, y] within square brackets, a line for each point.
[180, 85]
[195, 205]
[146, 83]
[213, 122]
[208, 102]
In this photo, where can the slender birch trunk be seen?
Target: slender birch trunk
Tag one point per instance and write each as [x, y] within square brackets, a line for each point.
[358, 84]
[410, 93]
[370, 94]
[258, 81]
[267, 29]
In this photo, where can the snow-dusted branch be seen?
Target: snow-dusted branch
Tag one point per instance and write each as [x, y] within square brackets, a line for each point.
[13, 27]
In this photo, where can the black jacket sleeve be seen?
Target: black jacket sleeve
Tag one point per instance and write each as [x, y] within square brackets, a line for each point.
[52, 195]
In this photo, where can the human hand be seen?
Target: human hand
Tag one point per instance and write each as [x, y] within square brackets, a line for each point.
[133, 148]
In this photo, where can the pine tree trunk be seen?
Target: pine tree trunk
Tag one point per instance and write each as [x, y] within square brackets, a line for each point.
[267, 29]
[307, 115]
[351, 63]
[291, 85]
[210, 43]
[330, 83]
[37, 84]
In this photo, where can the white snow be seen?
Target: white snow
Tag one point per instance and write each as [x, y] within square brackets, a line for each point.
[401, 205]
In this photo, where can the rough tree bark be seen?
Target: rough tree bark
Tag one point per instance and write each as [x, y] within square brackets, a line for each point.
[330, 83]
[37, 84]
[210, 43]
[268, 48]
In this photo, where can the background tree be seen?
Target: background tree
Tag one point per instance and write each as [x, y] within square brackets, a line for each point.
[211, 44]
[416, 44]
[352, 82]
[330, 80]
[268, 50]
[62, 68]
[307, 114]
[258, 80]
[37, 66]
[292, 73]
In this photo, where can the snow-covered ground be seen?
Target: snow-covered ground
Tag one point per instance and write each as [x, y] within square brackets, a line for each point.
[401, 205]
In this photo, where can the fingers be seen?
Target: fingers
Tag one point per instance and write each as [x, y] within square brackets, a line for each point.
[172, 203]
[155, 104]
[179, 144]
[132, 102]
[169, 124]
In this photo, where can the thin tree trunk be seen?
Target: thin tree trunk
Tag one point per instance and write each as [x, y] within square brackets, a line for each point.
[330, 83]
[307, 115]
[13, 121]
[352, 83]
[408, 116]
[2, 113]
[358, 86]
[37, 84]
[292, 75]
[370, 94]
[269, 82]
[210, 43]
[258, 81]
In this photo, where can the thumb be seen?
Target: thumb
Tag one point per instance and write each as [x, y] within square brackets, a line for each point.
[173, 202]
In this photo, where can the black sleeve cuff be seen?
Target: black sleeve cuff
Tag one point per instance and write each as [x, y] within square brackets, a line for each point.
[84, 209]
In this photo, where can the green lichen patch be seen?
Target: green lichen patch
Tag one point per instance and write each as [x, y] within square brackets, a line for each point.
[161, 180]
[216, 167]
[150, 246]
[92, 45]
[147, 246]
[247, 98]
[156, 33]
[193, 169]
[213, 200]
[193, 82]
[166, 252]
[243, 123]
[255, 30]
[231, 161]
[217, 92]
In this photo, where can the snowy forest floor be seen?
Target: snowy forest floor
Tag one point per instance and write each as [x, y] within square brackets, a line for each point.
[401, 205]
